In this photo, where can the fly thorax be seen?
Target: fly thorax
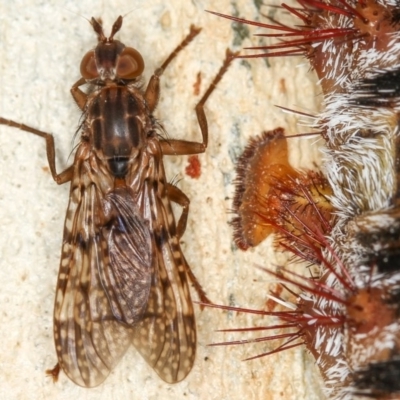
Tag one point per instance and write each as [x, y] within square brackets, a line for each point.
[117, 121]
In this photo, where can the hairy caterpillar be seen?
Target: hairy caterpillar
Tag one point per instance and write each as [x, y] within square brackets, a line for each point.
[348, 314]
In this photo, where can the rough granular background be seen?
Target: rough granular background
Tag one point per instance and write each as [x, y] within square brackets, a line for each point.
[41, 45]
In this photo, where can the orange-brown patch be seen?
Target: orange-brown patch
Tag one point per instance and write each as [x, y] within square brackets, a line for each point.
[271, 196]
[193, 169]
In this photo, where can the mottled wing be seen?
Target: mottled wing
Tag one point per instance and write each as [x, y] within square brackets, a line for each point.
[166, 335]
[104, 279]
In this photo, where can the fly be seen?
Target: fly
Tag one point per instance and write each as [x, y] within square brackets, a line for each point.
[123, 278]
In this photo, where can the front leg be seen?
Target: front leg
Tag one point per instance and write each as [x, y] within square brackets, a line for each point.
[79, 96]
[152, 93]
[184, 147]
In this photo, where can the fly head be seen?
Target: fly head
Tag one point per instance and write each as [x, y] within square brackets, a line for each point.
[111, 61]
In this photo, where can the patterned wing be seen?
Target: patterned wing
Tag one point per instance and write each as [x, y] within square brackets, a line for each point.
[166, 335]
[104, 279]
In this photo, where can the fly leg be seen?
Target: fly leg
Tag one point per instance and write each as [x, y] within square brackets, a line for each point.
[152, 93]
[79, 96]
[185, 147]
[178, 197]
[54, 373]
[61, 178]
[197, 287]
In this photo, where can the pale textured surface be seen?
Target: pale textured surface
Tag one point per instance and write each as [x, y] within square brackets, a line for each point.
[41, 45]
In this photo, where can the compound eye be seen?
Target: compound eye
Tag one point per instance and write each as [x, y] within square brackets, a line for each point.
[88, 66]
[130, 64]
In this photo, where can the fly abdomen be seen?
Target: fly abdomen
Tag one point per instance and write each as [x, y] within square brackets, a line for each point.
[116, 115]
